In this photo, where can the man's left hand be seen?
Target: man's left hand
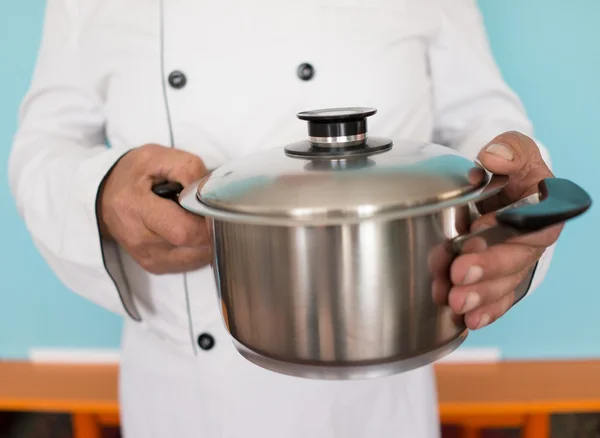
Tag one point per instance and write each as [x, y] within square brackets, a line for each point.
[484, 279]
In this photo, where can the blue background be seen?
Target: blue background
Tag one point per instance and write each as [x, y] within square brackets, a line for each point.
[548, 51]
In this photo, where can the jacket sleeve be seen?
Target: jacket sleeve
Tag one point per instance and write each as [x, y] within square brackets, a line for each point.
[59, 159]
[472, 102]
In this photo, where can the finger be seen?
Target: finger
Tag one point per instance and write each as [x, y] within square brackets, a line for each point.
[149, 250]
[141, 238]
[183, 167]
[439, 260]
[133, 235]
[440, 290]
[164, 163]
[465, 299]
[173, 223]
[187, 259]
[495, 262]
[487, 314]
[161, 259]
[518, 156]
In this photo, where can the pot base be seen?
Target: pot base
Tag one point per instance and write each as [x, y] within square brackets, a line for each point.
[350, 372]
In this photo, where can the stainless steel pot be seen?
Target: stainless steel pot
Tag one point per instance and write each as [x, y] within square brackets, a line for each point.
[331, 255]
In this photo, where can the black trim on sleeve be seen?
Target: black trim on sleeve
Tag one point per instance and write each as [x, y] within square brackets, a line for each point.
[523, 288]
[128, 304]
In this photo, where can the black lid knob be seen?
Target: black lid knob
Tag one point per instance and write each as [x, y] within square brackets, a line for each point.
[337, 127]
[337, 134]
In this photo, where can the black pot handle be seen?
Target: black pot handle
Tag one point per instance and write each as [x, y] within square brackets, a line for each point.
[168, 190]
[558, 200]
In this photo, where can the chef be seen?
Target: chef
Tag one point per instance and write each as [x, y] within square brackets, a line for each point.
[126, 93]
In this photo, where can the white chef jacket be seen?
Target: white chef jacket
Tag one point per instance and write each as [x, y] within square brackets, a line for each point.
[222, 79]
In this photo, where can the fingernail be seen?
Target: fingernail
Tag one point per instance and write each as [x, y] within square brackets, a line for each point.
[473, 275]
[471, 302]
[484, 320]
[501, 151]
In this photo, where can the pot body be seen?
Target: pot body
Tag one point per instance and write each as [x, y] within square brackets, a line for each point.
[342, 301]
[332, 255]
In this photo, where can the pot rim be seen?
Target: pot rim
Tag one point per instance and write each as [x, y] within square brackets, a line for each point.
[190, 201]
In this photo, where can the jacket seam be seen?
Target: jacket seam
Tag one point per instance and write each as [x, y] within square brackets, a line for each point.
[172, 145]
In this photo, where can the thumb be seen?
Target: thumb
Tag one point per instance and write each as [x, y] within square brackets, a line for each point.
[518, 156]
[184, 167]
[174, 165]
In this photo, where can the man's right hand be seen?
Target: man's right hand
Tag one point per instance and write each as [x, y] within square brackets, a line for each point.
[159, 234]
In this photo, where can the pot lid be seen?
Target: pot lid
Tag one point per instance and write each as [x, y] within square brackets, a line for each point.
[340, 172]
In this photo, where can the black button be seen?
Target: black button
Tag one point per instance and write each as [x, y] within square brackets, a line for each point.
[177, 79]
[306, 71]
[206, 341]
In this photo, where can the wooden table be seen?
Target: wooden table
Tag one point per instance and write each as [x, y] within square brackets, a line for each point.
[522, 394]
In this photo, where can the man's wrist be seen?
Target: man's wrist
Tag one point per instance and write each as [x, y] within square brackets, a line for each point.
[102, 227]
